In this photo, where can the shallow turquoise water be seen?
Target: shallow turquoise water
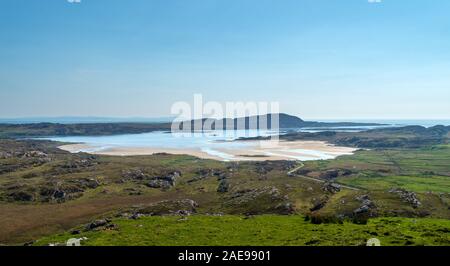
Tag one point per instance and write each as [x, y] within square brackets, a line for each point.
[209, 142]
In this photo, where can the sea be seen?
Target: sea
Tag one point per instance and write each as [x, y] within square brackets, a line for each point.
[214, 142]
[210, 142]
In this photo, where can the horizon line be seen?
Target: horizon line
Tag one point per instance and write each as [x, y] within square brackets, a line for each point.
[171, 117]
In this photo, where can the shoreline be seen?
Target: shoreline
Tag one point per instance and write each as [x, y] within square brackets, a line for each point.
[257, 151]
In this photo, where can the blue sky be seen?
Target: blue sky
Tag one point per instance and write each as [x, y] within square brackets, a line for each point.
[318, 58]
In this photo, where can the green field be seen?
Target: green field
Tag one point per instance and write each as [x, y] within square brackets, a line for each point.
[265, 230]
[418, 170]
[412, 183]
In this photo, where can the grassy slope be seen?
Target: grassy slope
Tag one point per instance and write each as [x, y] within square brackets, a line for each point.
[262, 230]
[375, 171]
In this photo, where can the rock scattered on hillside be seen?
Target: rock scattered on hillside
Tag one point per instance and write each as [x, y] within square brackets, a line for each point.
[367, 205]
[407, 196]
[81, 163]
[134, 174]
[161, 180]
[97, 223]
[63, 191]
[334, 173]
[223, 187]
[259, 201]
[331, 187]
[5, 155]
[330, 174]
[51, 191]
[21, 196]
[183, 207]
[164, 182]
[265, 167]
[35, 154]
[318, 204]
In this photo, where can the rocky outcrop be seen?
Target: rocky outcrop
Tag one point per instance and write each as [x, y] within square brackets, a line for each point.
[334, 173]
[223, 187]
[33, 157]
[5, 155]
[76, 164]
[259, 201]
[285, 208]
[367, 205]
[100, 224]
[88, 183]
[162, 181]
[265, 167]
[82, 163]
[68, 190]
[171, 178]
[318, 205]
[407, 196]
[331, 187]
[21, 196]
[272, 192]
[330, 174]
[97, 223]
[157, 183]
[300, 172]
[168, 207]
[51, 191]
[205, 173]
[35, 154]
[134, 174]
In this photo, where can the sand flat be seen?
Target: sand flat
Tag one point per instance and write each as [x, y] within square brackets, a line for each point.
[254, 151]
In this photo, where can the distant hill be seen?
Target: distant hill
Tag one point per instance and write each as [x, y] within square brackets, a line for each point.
[36, 129]
[258, 122]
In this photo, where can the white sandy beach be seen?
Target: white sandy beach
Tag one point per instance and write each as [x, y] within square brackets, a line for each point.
[256, 151]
